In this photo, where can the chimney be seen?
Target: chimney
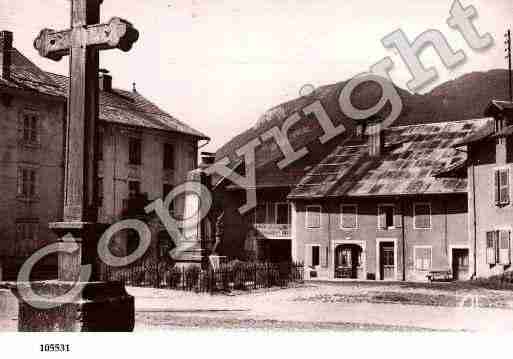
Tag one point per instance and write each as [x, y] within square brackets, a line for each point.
[5, 54]
[105, 81]
[376, 140]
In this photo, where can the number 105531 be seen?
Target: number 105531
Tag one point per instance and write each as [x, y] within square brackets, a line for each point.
[55, 347]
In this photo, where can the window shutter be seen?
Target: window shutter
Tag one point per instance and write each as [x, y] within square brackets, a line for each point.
[20, 181]
[324, 257]
[426, 258]
[348, 216]
[504, 251]
[505, 186]
[313, 217]
[35, 230]
[490, 248]
[20, 126]
[33, 183]
[36, 128]
[308, 256]
[497, 187]
[271, 214]
[382, 222]
[398, 217]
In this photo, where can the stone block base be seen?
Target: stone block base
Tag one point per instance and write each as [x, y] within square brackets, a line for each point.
[101, 307]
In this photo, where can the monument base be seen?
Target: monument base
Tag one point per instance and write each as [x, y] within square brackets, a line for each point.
[100, 307]
[216, 261]
[191, 254]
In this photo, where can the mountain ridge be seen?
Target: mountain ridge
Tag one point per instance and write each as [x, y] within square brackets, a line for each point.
[462, 98]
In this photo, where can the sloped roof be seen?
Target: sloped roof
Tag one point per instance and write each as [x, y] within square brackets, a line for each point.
[131, 108]
[412, 160]
[481, 134]
[27, 76]
[118, 106]
[455, 100]
[497, 106]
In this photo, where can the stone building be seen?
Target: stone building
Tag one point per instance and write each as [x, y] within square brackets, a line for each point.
[490, 153]
[390, 206]
[144, 152]
[32, 114]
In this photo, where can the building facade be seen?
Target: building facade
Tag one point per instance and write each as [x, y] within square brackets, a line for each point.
[489, 200]
[143, 152]
[32, 113]
[392, 207]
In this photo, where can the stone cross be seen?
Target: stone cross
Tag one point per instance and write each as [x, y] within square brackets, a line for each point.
[82, 42]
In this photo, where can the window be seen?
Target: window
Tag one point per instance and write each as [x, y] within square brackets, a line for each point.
[134, 148]
[261, 213]
[349, 216]
[26, 236]
[272, 213]
[313, 216]
[169, 156]
[166, 189]
[501, 188]
[282, 213]
[134, 188]
[422, 215]
[498, 247]
[27, 182]
[99, 190]
[30, 124]
[504, 248]
[491, 247]
[386, 213]
[316, 257]
[422, 258]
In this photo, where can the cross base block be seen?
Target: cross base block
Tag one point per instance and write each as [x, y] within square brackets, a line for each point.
[100, 307]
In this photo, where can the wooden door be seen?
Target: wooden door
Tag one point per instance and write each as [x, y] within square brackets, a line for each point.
[459, 263]
[344, 262]
[387, 261]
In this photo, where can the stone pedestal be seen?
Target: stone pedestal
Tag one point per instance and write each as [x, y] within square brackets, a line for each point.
[100, 307]
[217, 261]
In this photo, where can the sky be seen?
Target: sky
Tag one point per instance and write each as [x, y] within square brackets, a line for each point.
[219, 65]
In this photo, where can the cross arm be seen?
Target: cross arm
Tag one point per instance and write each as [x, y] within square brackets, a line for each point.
[53, 44]
[117, 33]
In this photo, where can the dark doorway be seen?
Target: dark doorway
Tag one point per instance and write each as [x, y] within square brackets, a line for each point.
[459, 263]
[280, 250]
[386, 261]
[347, 261]
[164, 246]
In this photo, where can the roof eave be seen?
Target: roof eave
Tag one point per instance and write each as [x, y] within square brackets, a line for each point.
[372, 195]
[15, 91]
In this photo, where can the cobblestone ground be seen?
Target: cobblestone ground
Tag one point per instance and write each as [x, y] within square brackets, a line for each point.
[321, 306]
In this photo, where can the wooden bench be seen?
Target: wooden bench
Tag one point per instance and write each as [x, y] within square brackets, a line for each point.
[444, 275]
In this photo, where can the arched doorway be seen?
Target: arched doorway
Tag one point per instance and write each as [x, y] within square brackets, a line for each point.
[348, 259]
